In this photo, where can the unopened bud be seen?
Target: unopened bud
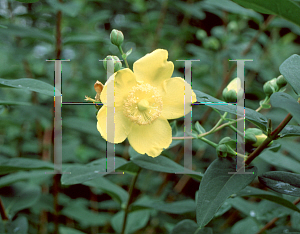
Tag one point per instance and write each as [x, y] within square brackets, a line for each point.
[281, 81]
[270, 87]
[116, 37]
[255, 137]
[226, 147]
[233, 92]
[115, 59]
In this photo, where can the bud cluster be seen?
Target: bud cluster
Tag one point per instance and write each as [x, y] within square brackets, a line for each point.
[274, 85]
[115, 59]
[226, 147]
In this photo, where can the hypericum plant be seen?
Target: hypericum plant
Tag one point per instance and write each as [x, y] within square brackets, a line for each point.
[144, 100]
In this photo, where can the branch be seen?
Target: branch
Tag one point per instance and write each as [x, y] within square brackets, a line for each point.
[2, 211]
[272, 136]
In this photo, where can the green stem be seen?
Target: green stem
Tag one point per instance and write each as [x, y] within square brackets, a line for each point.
[123, 56]
[208, 142]
[237, 131]
[129, 200]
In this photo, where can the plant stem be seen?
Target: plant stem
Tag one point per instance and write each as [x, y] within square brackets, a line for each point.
[272, 136]
[123, 56]
[129, 200]
[2, 211]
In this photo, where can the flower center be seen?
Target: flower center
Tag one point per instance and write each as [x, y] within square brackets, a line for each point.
[143, 104]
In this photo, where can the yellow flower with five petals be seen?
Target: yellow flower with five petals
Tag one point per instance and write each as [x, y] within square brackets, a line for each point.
[144, 100]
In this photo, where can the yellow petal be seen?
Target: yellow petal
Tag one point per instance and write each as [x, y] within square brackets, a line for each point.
[153, 68]
[122, 124]
[124, 80]
[173, 95]
[151, 139]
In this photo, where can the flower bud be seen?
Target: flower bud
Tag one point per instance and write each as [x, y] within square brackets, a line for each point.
[116, 60]
[116, 37]
[270, 87]
[222, 151]
[226, 147]
[281, 81]
[233, 92]
[254, 137]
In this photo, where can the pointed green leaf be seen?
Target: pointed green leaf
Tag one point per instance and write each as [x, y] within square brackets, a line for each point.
[177, 207]
[185, 226]
[290, 130]
[163, 164]
[287, 9]
[262, 194]
[83, 173]
[280, 160]
[20, 164]
[135, 221]
[290, 69]
[286, 102]
[30, 84]
[18, 226]
[199, 128]
[282, 182]
[113, 190]
[21, 196]
[217, 185]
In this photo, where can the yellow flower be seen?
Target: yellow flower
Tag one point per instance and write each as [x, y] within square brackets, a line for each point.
[143, 101]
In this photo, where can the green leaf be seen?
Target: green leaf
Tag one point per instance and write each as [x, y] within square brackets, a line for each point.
[27, 1]
[282, 182]
[83, 173]
[163, 164]
[77, 210]
[71, 8]
[293, 147]
[28, 32]
[128, 167]
[290, 69]
[177, 207]
[286, 102]
[128, 52]
[15, 103]
[30, 84]
[76, 39]
[22, 175]
[285, 8]
[234, 8]
[185, 226]
[82, 125]
[21, 164]
[135, 221]
[262, 194]
[199, 128]
[113, 190]
[280, 160]
[217, 185]
[18, 226]
[67, 230]
[289, 131]
[251, 115]
[245, 226]
[21, 196]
